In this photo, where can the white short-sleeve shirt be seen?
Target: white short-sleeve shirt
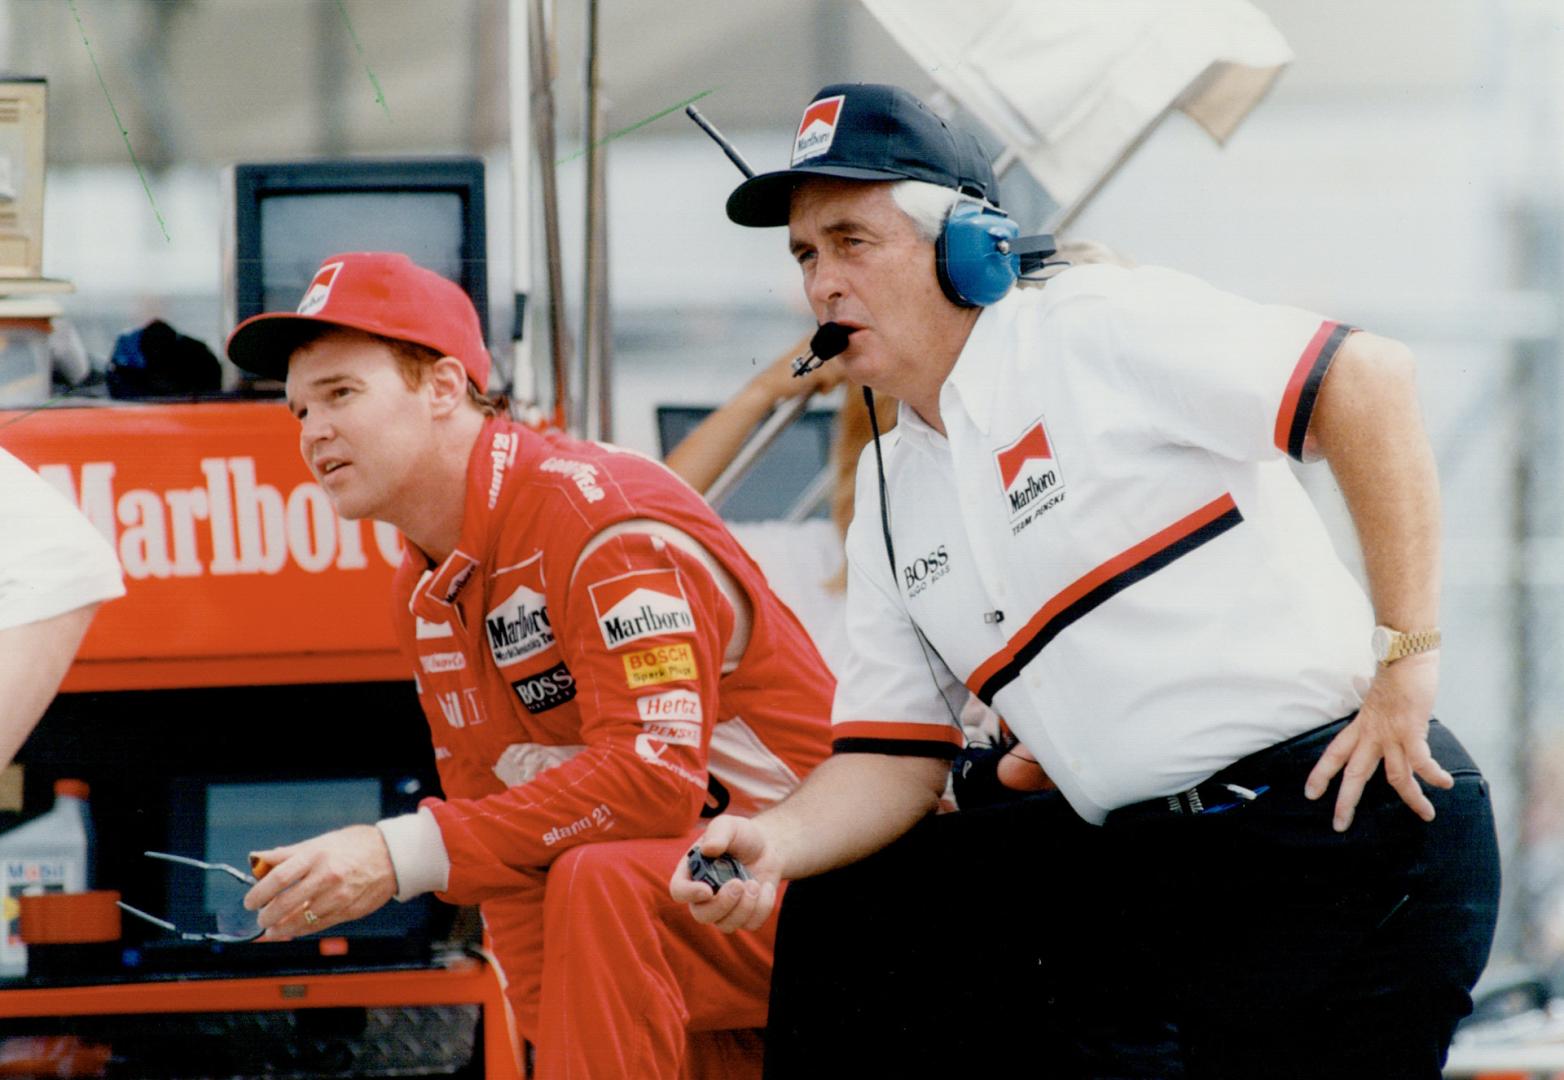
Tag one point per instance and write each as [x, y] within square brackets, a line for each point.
[51, 558]
[1107, 545]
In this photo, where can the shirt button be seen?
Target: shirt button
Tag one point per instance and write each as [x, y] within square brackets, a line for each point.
[1075, 765]
[1035, 681]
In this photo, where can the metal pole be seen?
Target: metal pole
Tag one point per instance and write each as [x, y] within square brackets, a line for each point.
[779, 421]
[332, 132]
[524, 380]
[817, 492]
[602, 326]
[589, 417]
[541, 50]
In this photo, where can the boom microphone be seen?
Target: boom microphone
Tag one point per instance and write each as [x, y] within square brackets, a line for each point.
[828, 341]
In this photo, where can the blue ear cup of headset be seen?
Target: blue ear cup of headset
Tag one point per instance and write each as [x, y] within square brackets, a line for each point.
[975, 255]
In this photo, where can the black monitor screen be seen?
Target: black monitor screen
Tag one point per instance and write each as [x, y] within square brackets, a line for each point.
[298, 232]
[224, 821]
[779, 477]
[290, 216]
[241, 818]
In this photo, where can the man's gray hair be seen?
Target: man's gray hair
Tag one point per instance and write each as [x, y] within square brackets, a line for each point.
[926, 204]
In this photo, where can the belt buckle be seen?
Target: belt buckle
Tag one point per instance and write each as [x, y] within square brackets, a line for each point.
[1193, 801]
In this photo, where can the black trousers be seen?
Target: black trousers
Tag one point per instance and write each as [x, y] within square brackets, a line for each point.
[1254, 942]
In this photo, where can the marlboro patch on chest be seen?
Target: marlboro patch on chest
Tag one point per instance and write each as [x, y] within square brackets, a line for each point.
[1029, 474]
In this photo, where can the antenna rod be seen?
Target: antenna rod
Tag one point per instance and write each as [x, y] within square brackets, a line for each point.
[717, 137]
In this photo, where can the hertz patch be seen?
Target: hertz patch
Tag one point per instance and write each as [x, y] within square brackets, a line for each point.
[665, 663]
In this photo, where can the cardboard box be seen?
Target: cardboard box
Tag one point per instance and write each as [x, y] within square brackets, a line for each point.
[22, 103]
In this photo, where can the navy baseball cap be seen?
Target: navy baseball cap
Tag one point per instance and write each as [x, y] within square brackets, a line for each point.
[867, 131]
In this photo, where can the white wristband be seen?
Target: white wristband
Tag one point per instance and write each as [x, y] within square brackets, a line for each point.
[418, 854]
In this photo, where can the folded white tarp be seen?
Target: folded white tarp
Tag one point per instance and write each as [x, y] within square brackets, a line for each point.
[1073, 86]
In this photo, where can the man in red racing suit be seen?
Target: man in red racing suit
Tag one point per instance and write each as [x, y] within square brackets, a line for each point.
[599, 661]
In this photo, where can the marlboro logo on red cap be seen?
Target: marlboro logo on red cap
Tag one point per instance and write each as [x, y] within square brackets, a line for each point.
[818, 128]
[319, 292]
[1027, 469]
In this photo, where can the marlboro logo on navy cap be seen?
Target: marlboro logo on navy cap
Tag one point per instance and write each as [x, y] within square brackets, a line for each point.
[867, 131]
[817, 129]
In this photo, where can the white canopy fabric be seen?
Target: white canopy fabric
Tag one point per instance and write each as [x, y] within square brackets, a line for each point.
[1073, 86]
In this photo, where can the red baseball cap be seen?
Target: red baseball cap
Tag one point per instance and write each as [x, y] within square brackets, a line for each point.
[381, 292]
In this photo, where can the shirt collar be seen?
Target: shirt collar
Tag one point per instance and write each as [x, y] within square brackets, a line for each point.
[490, 467]
[975, 373]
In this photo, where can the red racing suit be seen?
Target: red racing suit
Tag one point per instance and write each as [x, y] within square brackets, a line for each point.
[578, 697]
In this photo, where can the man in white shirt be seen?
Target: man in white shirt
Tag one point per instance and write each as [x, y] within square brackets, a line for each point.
[1092, 527]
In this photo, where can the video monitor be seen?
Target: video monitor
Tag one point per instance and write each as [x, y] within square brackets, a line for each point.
[223, 821]
[289, 216]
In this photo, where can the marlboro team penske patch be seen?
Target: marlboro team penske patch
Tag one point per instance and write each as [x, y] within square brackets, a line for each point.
[1028, 474]
[817, 129]
[641, 604]
[665, 663]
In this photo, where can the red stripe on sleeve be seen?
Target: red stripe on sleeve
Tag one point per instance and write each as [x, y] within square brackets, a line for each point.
[1300, 375]
[885, 729]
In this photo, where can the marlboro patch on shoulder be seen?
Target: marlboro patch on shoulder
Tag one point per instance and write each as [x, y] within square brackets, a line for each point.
[641, 604]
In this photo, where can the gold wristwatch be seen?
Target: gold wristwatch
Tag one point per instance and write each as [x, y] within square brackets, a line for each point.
[1392, 645]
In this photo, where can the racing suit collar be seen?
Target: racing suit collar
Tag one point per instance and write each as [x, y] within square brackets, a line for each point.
[490, 483]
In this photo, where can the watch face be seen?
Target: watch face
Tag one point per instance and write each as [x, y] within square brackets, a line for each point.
[1380, 643]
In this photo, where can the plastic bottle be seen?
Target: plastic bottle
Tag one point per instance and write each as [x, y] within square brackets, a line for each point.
[44, 855]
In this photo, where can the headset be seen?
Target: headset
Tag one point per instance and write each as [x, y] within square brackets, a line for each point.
[980, 253]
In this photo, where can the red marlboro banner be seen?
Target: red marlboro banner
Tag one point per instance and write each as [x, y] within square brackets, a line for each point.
[237, 569]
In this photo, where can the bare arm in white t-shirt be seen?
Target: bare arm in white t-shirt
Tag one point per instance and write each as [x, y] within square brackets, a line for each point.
[33, 659]
[1367, 424]
[55, 569]
[851, 806]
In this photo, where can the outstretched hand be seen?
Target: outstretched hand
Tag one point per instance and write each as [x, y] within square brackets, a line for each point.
[317, 883]
[739, 905]
[1392, 725]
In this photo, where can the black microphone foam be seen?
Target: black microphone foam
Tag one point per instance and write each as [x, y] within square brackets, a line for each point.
[829, 340]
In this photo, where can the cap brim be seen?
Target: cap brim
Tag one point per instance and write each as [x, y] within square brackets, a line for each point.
[263, 343]
[766, 200]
